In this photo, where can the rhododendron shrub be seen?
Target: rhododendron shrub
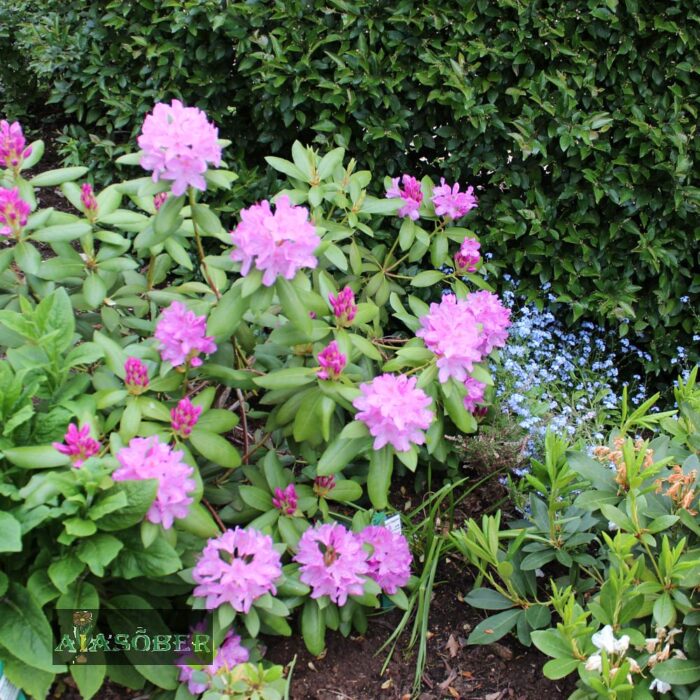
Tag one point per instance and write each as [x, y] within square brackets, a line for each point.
[186, 401]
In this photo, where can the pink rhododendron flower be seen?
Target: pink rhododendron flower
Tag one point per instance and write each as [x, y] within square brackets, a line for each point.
[159, 200]
[493, 316]
[12, 150]
[285, 500]
[332, 361]
[178, 144]
[394, 410]
[136, 376]
[148, 458]
[468, 257]
[229, 654]
[237, 567]
[452, 332]
[184, 417]
[79, 446]
[344, 307]
[278, 244]
[87, 198]
[411, 195]
[390, 560]
[475, 394]
[182, 336]
[13, 212]
[332, 562]
[450, 202]
[323, 485]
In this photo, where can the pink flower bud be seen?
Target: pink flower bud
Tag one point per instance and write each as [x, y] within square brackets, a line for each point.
[12, 151]
[87, 198]
[159, 200]
[285, 500]
[411, 195]
[136, 378]
[344, 307]
[13, 212]
[323, 485]
[184, 417]
[332, 362]
[468, 257]
[79, 446]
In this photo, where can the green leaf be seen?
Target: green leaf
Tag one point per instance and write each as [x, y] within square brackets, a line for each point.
[27, 257]
[10, 533]
[98, 552]
[345, 491]
[454, 405]
[133, 561]
[207, 220]
[551, 643]
[31, 680]
[39, 457]
[94, 290]
[381, 465]
[559, 668]
[139, 495]
[678, 671]
[64, 571]
[488, 599]
[664, 611]
[52, 178]
[35, 156]
[292, 306]
[25, 630]
[493, 628]
[198, 522]
[227, 314]
[286, 167]
[428, 278]
[215, 448]
[218, 420]
[88, 678]
[255, 497]
[288, 378]
[63, 232]
[313, 628]
[167, 220]
[339, 453]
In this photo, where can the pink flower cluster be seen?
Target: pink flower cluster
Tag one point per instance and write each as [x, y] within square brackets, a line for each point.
[148, 458]
[79, 446]
[394, 410]
[410, 193]
[87, 198]
[184, 417]
[136, 376]
[450, 202]
[237, 567]
[468, 257]
[344, 307]
[178, 143]
[182, 336]
[475, 394]
[229, 654]
[332, 361]
[278, 244]
[462, 332]
[323, 485]
[285, 500]
[334, 561]
[12, 142]
[13, 212]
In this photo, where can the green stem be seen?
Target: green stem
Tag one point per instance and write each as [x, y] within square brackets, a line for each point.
[200, 249]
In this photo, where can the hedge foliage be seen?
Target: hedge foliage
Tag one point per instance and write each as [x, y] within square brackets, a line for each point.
[577, 120]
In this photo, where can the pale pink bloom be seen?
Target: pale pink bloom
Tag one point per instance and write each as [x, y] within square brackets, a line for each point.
[450, 202]
[87, 198]
[333, 562]
[229, 654]
[411, 195]
[493, 316]
[159, 200]
[344, 307]
[475, 394]
[182, 336]
[136, 376]
[390, 558]
[79, 446]
[278, 244]
[394, 410]
[468, 257]
[184, 417]
[285, 500]
[12, 142]
[148, 458]
[237, 567]
[332, 361]
[453, 333]
[178, 144]
[323, 485]
[660, 686]
[13, 212]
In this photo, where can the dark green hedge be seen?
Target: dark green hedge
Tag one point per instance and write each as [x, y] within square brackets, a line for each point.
[577, 120]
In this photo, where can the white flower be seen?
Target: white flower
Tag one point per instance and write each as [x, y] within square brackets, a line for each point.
[612, 526]
[594, 663]
[660, 686]
[605, 641]
[650, 644]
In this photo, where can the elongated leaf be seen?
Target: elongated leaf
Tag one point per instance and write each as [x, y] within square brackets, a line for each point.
[495, 627]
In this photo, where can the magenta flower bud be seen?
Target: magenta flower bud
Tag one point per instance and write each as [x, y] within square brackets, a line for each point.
[323, 485]
[332, 362]
[12, 150]
[136, 378]
[475, 394]
[468, 257]
[87, 198]
[13, 212]
[159, 200]
[285, 500]
[411, 195]
[184, 417]
[452, 203]
[79, 446]
[344, 307]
